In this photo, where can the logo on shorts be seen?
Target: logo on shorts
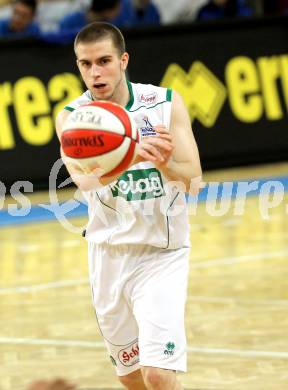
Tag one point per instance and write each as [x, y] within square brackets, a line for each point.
[169, 349]
[130, 355]
[113, 360]
[140, 184]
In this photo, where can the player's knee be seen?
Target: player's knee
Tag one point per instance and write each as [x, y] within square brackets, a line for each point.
[155, 378]
[131, 380]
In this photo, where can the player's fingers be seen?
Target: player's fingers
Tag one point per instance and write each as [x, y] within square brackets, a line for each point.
[94, 168]
[151, 152]
[162, 133]
[160, 126]
[159, 143]
[161, 129]
[98, 172]
[76, 167]
[146, 156]
[168, 136]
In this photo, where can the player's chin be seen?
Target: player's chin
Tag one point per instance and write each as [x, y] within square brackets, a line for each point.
[101, 89]
[102, 95]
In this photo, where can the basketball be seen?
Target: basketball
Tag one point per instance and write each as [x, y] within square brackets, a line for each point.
[100, 132]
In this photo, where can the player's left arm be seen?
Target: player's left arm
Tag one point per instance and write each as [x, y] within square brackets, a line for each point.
[184, 163]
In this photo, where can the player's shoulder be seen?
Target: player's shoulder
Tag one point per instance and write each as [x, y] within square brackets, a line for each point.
[79, 101]
[149, 94]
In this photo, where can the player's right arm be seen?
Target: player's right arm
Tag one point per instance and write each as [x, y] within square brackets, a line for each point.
[148, 150]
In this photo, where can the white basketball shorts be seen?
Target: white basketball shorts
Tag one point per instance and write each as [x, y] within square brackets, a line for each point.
[139, 295]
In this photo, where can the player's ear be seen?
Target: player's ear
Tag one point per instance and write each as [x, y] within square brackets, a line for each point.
[124, 60]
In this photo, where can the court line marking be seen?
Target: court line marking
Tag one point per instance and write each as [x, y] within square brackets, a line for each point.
[207, 299]
[237, 259]
[44, 286]
[52, 342]
[196, 265]
[101, 345]
[239, 352]
[84, 281]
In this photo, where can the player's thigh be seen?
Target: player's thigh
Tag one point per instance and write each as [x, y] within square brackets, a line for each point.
[115, 318]
[159, 310]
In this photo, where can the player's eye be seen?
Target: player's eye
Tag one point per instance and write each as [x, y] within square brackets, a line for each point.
[104, 61]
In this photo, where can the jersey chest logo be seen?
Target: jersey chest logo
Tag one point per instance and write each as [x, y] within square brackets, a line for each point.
[139, 184]
[148, 99]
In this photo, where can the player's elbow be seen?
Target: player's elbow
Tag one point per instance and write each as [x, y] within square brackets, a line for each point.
[190, 183]
[194, 185]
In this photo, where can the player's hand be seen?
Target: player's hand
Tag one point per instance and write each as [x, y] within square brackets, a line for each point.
[157, 149]
[57, 384]
[164, 134]
[87, 179]
[77, 172]
[78, 169]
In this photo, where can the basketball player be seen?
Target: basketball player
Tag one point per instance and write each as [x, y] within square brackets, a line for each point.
[138, 261]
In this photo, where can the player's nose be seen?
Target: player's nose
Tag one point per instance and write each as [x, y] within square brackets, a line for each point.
[95, 70]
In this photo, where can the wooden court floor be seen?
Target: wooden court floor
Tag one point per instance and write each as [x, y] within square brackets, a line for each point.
[237, 309]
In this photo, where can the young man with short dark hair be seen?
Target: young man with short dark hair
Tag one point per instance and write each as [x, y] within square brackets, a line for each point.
[139, 260]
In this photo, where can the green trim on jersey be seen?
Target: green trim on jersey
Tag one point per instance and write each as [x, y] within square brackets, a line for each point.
[131, 100]
[148, 108]
[69, 108]
[169, 95]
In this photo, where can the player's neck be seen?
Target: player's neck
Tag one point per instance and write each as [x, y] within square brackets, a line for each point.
[122, 95]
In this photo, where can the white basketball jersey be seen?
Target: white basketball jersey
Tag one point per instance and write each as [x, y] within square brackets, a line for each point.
[141, 207]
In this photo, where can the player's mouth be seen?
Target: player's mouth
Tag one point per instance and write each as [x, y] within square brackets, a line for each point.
[99, 86]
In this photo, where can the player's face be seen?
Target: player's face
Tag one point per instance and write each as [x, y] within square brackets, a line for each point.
[102, 69]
